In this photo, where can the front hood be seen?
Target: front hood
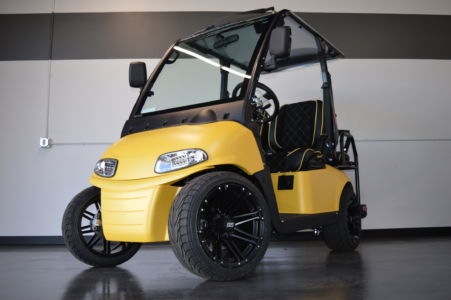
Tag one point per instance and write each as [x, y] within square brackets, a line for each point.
[225, 142]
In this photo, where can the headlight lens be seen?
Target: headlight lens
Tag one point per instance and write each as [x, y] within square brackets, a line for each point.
[179, 159]
[106, 167]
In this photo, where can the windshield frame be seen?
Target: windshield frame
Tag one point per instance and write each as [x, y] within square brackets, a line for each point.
[136, 111]
[240, 110]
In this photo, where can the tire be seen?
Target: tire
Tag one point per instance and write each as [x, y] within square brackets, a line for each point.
[219, 226]
[345, 234]
[83, 235]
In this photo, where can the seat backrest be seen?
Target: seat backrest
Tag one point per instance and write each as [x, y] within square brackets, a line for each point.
[298, 125]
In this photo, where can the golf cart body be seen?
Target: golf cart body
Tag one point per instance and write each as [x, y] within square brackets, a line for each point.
[203, 111]
[137, 199]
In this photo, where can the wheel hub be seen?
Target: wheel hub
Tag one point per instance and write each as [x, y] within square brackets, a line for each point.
[229, 225]
[96, 223]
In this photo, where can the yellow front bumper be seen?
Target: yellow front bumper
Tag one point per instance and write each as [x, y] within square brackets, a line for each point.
[135, 210]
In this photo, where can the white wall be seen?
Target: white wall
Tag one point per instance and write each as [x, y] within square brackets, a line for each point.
[436, 7]
[397, 109]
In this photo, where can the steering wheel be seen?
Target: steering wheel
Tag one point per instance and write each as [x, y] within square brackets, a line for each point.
[261, 103]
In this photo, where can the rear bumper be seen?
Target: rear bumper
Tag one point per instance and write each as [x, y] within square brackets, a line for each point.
[135, 210]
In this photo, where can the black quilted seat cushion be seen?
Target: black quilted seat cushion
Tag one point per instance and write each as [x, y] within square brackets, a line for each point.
[295, 160]
[294, 138]
[296, 126]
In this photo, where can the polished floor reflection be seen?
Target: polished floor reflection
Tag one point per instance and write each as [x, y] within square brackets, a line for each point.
[381, 269]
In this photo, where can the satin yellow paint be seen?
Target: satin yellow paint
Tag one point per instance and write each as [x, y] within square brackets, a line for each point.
[316, 191]
[133, 214]
[136, 201]
[225, 142]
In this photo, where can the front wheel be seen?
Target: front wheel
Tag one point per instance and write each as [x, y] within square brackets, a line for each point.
[219, 226]
[83, 236]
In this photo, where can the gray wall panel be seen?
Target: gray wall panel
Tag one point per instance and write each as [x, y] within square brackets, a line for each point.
[124, 35]
[25, 37]
[148, 34]
[385, 35]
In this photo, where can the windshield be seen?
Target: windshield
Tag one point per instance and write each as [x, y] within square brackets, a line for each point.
[205, 69]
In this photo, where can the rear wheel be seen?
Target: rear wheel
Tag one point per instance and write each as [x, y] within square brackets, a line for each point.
[83, 236]
[345, 234]
[219, 226]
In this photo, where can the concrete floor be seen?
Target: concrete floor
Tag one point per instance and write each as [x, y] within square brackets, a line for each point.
[414, 268]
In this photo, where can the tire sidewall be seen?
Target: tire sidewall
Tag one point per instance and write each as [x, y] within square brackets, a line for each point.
[345, 203]
[346, 200]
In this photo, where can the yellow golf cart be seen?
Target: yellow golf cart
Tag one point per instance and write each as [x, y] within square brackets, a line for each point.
[209, 161]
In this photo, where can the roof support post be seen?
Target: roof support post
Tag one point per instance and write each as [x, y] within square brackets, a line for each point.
[328, 98]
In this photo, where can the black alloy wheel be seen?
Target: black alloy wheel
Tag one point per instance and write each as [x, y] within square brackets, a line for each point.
[219, 226]
[83, 235]
[231, 225]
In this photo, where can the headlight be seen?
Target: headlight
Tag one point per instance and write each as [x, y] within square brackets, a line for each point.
[106, 167]
[179, 159]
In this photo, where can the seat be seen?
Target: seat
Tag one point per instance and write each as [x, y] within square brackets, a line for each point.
[295, 138]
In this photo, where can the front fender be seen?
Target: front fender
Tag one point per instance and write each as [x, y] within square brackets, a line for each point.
[136, 201]
[225, 142]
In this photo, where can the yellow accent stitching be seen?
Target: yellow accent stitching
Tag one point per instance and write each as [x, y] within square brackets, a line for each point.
[275, 133]
[269, 138]
[291, 152]
[302, 159]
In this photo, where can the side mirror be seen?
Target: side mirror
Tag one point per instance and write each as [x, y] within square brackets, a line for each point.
[280, 42]
[137, 74]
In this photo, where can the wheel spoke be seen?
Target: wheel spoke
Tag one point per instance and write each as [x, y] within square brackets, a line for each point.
[97, 204]
[119, 245]
[217, 248]
[246, 234]
[234, 245]
[93, 241]
[243, 239]
[245, 221]
[88, 215]
[87, 230]
[106, 247]
[232, 250]
[246, 215]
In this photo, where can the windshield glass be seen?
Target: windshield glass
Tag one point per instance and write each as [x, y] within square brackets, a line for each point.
[206, 69]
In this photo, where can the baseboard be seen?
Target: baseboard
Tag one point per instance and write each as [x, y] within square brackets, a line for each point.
[306, 236]
[32, 240]
[375, 233]
[407, 232]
